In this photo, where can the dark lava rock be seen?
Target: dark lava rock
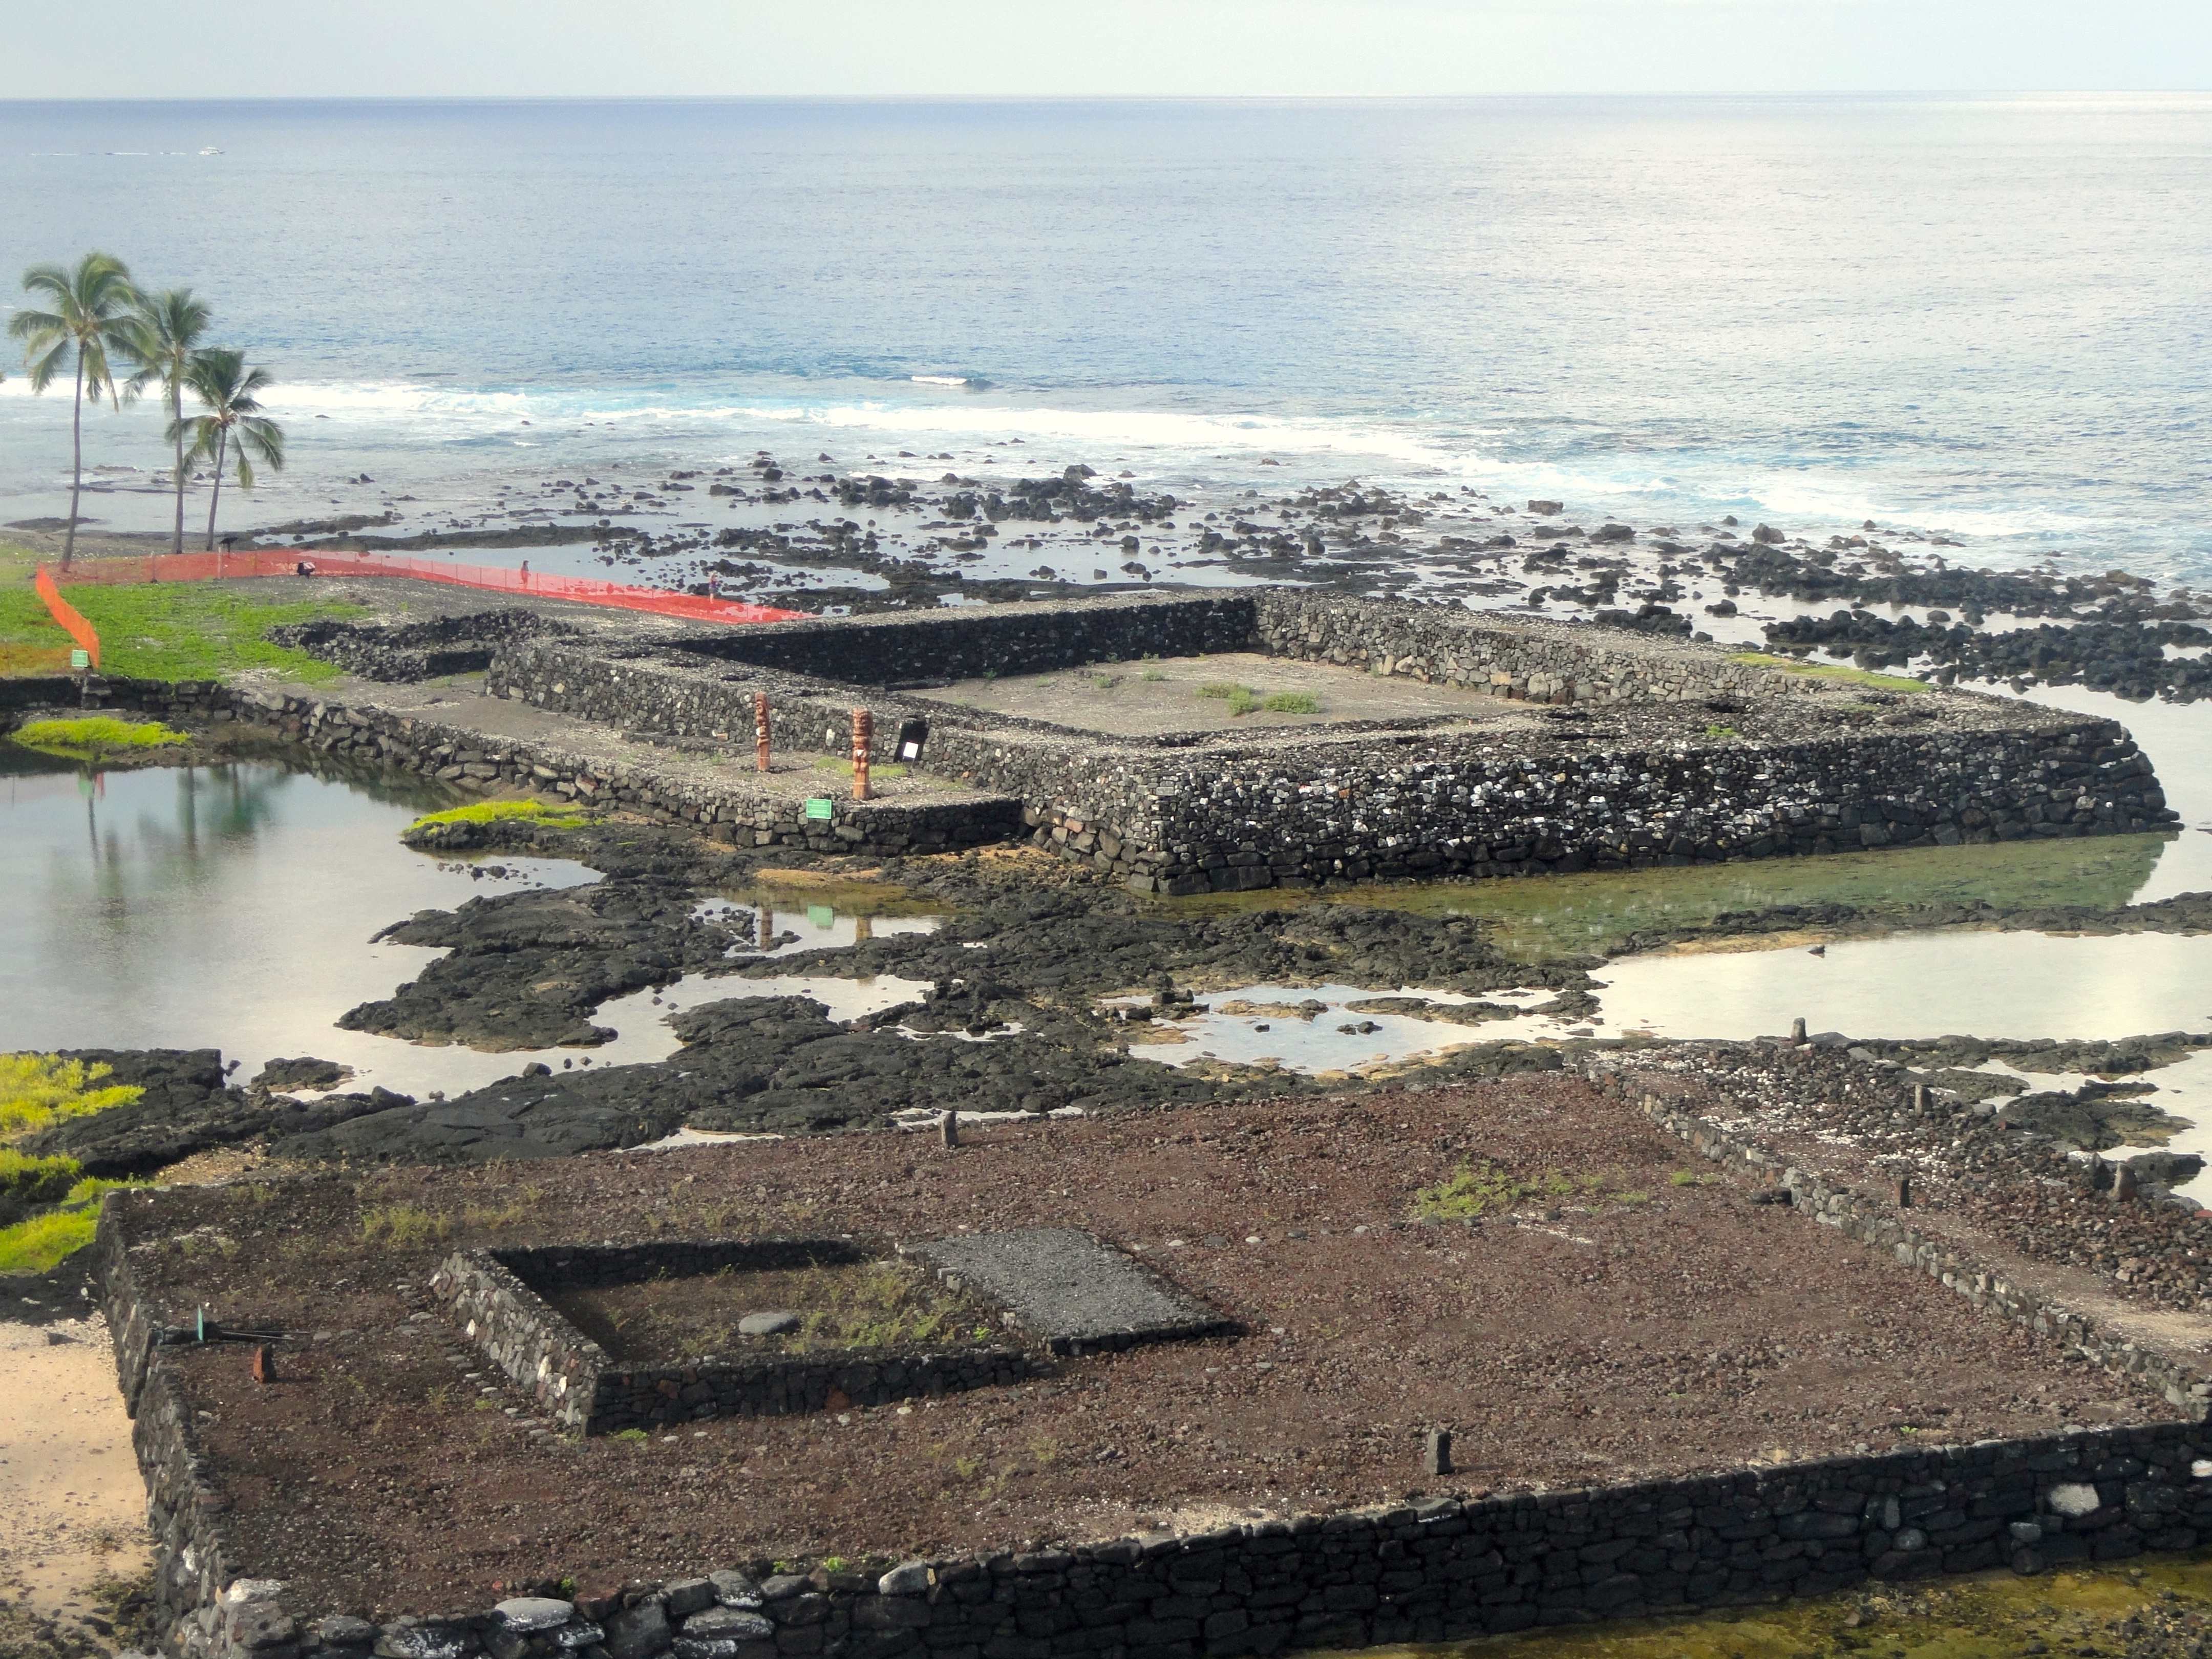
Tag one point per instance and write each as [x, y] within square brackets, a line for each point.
[525, 967]
[186, 1108]
[305, 1073]
[2090, 1120]
[1070, 945]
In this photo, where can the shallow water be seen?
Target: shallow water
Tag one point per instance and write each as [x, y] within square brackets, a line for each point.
[233, 906]
[227, 906]
[1273, 1034]
[1538, 918]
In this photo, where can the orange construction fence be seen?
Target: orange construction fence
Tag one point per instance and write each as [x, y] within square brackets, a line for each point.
[67, 615]
[278, 561]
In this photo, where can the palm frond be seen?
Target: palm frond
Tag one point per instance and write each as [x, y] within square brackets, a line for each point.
[46, 356]
[264, 437]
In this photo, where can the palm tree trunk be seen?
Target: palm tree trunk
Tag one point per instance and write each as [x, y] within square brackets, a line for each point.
[76, 460]
[215, 496]
[177, 420]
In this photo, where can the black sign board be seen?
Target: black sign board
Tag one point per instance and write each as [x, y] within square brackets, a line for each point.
[912, 735]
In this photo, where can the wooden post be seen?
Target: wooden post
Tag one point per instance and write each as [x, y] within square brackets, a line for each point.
[760, 730]
[1919, 1097]
[767, 928]
[863, 739]
[1904, 1192]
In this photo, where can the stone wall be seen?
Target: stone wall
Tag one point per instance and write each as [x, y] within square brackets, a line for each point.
[1184, 816]
[1880, 1224]
[472, 763]
[1533, 661]
[935, 646]
[1483, 809]
[499, 1299]
[418, 650]
[1440, 1568]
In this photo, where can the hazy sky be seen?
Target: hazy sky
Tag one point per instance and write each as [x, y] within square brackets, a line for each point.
[1058, 47]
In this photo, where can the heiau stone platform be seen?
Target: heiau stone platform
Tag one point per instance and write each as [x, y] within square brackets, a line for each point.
[1071, 1292]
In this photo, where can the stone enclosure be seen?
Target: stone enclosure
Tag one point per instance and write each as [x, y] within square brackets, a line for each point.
[1065, 1290]
[1579, 747]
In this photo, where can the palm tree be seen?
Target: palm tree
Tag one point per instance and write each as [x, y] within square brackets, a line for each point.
[166, 332]
[90, 318]
[225, 387]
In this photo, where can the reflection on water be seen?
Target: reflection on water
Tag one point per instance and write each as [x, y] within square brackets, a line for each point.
[1923, 985]
[788, 917]
[1281, 1026]
[227, 906]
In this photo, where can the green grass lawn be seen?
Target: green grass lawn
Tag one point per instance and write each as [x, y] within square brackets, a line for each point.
[155, 631]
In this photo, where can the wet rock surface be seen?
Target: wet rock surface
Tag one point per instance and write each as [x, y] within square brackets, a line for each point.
[187, 1108]
[525, 968]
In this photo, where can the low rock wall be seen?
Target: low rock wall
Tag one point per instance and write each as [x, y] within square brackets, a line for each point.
[497, 1297]
[1442, 1568]
[934, 647]
[473, 763]
[1879, 1224]
[1530, 661]
[1474, 809]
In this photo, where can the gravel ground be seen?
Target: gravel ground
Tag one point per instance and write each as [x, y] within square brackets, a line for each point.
[1067, 1288]
[1636, 1326]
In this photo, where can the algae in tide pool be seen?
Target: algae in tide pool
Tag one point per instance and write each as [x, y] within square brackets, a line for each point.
[2163, 1606]
[1595, 913]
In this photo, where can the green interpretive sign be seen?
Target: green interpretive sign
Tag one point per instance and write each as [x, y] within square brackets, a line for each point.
[818, 807]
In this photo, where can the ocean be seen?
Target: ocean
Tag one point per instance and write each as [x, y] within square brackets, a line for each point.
[1981, 318]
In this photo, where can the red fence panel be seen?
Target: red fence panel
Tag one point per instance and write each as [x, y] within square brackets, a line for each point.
[279, 562]
[67, 615]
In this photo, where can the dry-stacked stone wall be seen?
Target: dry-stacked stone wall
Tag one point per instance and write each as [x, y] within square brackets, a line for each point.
[495, 1296]
[1878, 1223]
[1440, 1569]
[472, 763]
[1526, 661]
[933, 648]
[1181, 816]
[1470, 808]
[1178, 814]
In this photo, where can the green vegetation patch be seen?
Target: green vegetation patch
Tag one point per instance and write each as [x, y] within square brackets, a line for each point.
[839, 1306]
[37, 1245]
[1469, 1192]
[1822, 671]
[95, 736]
[500, 812]
[2157, 1604]
[1597, 912]
[40, 1090]
[169, 631]
[27, 1180]
[1242, 699]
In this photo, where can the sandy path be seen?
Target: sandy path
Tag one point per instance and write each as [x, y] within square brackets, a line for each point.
[72, 1506]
